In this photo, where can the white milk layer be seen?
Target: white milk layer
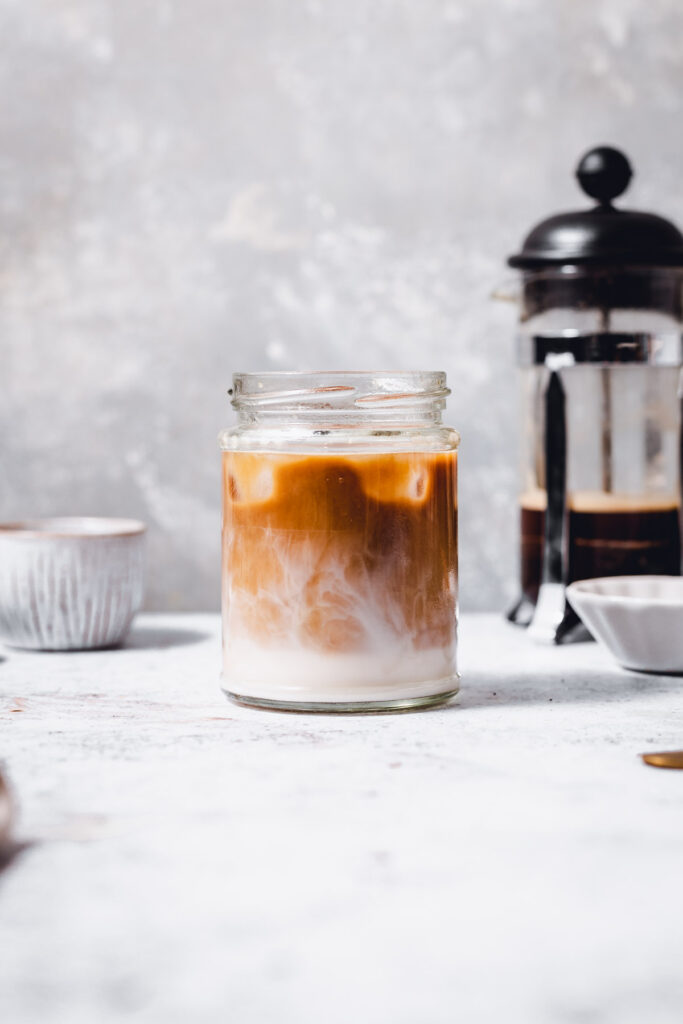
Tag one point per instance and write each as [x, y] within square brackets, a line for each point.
[290, 674]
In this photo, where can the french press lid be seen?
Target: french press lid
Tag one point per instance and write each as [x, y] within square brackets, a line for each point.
[603, 236]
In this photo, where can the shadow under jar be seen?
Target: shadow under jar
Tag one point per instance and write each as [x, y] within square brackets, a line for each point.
[339, 542]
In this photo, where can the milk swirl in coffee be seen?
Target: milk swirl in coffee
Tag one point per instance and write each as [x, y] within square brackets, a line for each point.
[340, 575]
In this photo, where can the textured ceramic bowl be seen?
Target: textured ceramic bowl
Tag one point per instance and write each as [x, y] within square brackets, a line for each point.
[69, 584]
[639, 618]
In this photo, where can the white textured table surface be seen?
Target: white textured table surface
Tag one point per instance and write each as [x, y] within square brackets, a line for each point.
[506, 858]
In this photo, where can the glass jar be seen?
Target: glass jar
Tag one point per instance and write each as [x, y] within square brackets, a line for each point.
[339, 556]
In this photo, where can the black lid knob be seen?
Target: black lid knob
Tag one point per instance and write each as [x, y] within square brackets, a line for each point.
[604, 235]
[604, 173]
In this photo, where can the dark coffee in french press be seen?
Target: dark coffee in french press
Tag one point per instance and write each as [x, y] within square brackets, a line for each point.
[613, 540]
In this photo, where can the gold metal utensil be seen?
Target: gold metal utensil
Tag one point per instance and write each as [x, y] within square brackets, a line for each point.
[665, 759]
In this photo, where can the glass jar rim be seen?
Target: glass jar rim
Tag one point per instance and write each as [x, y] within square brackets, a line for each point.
[342, 389]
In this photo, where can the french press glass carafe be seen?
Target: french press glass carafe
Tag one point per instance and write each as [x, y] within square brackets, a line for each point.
[600, 325]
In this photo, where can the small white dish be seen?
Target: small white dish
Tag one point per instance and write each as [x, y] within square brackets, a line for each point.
[69, 583]
[638, 618]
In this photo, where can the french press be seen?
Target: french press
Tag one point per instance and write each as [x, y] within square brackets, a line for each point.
[600, 324]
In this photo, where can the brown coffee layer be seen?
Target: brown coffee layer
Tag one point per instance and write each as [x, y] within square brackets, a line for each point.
[340, 553]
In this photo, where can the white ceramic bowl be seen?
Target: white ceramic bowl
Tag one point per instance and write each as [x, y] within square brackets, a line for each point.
[69, 584]
[639, 618]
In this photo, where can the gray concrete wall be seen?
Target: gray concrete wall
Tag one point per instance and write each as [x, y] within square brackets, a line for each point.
[189, 187]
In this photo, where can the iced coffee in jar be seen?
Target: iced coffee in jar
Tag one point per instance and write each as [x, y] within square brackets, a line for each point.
[340, 542]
